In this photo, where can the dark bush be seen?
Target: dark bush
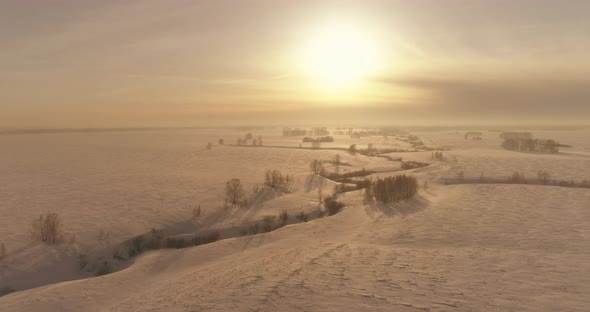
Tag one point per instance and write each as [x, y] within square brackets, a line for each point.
[363, 184]
[267, 223]
[104, 269]
[176, 243]
[207, 238]
[345, 177]
[117, 255]
[517, 178]
[302, 217]
[408, 165]
[254, 229]
[82, 261]
[332, 206]
[135, 246]
[284, 217]
[154, 241]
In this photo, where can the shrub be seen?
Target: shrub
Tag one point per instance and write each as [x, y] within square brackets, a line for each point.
[117, 255]
[267, 223]
[392, 189]
[196, 213]
[352, 149]
[2, 252]
[346, 177]
[221, 142]
[207, 238]
[155, 239]
[254, 229]
[339, 189]
[283, 217]
[6, 290]
[316, 166]
[302, 217]
[407, 165]
[176, 243]
[332, 206]
[135, 246]
[517, 178]
[209, 146]
[104, 269]
[82, 261]
[47, 229]
[234, 192]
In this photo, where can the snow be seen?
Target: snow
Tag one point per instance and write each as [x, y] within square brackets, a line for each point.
[472, 247]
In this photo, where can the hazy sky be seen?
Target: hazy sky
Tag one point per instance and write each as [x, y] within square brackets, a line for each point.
[187, 63]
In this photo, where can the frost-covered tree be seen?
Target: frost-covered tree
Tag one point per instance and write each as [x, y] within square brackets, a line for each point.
[234, 192]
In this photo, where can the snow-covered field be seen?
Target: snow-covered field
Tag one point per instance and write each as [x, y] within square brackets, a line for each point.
[473, 247]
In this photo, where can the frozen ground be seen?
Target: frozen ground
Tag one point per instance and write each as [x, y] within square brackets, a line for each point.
[454, 248]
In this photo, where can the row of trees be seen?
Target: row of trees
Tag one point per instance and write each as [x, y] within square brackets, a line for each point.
[244, 141]
[391, 189]
[273, 179]
[531, 145]
[320, 139]
[437, 155]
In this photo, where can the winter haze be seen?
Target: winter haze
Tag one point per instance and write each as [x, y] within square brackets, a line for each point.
[253, 155]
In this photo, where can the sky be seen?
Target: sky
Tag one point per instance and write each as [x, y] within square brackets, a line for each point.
[83, 63]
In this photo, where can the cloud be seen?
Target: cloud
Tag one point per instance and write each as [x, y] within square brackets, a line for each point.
[532, 97]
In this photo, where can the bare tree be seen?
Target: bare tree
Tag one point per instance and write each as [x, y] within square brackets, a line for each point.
[316, 166]
[196, 213]
[2, 252]
[47, 228]
[337, 162]
[234, 192]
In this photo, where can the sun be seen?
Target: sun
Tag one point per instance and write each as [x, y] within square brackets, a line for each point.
[340, 56]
